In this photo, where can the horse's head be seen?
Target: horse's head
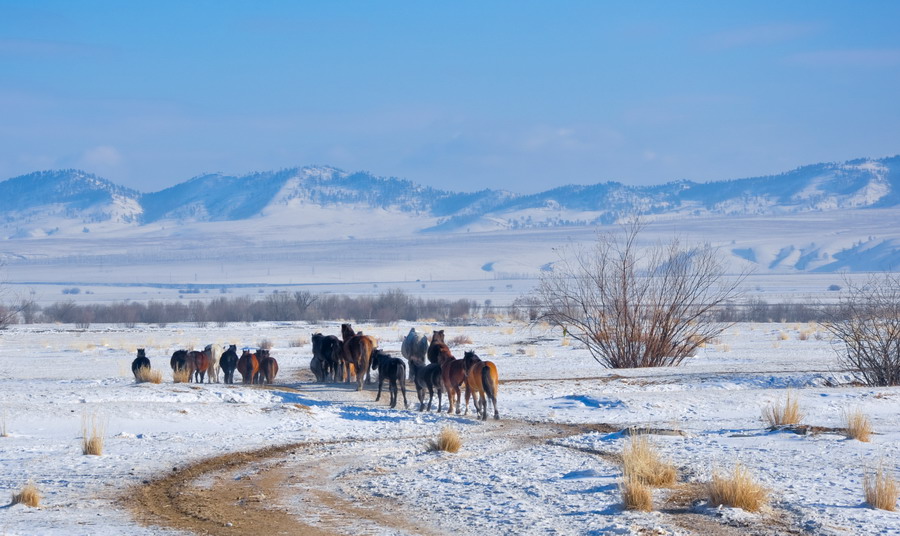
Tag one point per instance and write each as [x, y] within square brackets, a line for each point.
[412, 332]
[232, 347]
[347, 331]
[141, 353]
[437, 336]
[377, 357]
[470, 358]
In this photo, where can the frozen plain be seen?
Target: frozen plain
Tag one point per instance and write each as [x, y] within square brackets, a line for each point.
[547, 467]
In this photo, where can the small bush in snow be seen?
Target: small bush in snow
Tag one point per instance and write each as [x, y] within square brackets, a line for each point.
[460, 340]
[148, 375]
[29, 496]
[780, 414]
[738, 490]
[636, 495]
[92, 432]
[448, 441]
[857, 426]
[641, 461]
[181, 375]
[881, 490]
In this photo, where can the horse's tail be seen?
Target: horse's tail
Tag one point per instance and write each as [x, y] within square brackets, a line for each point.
[490, 381]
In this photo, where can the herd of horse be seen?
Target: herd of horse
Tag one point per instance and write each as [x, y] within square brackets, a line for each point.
[432, 367]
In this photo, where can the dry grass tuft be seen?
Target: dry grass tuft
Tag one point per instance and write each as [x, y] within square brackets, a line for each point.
[641, 461]
[148, 375]
[881, 490]
[181, 375]
[265, 344]
[29, 496]
[448, 441]
[636, 495]
[857, 426]
[460, 340]
[3, 430]
[298, 342]
[778, 414]
[92, 431]
[738, 490]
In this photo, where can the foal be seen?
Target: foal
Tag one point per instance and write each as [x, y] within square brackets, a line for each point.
[392, 369]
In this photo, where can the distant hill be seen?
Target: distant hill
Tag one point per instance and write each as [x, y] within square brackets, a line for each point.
[70, 203]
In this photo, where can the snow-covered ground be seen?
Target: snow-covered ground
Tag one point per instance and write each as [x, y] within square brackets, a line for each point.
[547, 467]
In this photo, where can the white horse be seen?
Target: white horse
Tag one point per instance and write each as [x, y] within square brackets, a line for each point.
[215, 352]
[414, 348]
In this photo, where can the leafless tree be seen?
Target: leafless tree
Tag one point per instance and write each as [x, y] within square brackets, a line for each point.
[637, 307]
[866, 329]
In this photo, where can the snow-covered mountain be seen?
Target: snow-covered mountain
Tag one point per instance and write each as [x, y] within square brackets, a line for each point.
[822, 217]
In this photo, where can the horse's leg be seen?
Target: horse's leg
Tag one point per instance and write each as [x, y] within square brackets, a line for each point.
[393, 387]
[380, 383]
[403, 390]
[468, 394]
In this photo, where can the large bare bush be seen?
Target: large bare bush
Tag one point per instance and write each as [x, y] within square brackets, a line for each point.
[866, 329]
[637, 307]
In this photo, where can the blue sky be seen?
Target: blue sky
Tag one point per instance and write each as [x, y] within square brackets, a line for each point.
[462, 95]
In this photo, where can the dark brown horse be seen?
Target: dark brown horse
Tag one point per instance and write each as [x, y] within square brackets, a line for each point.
[453, 374]
[429, 377]
[268, 367]
[139, 362]
[358, 350]
[392, 369]
[437, 339]
[327, 356]
[200, 363]
[228, 362]
[248, 366]
[179, 360]
[481, 384]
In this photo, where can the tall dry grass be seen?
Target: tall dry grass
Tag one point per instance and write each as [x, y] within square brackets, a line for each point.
[738, 489]
[4, 432]
[93, 430]
[460, 340]
[148, 375]
[857, 425]
[448, 441]
[182, 375]
[29, 495]
[881, 489]
[636, 495]
[641, 461]
[782, 413]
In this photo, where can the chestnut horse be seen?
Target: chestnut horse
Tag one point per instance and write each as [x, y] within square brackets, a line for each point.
[392, 369]
[437, 338]
[248, 366]
[481, 384]
[358, 350]
[268, 367]
[453, 374]
[200, 363]
[429, 377]
[228, 362]
[139, 362]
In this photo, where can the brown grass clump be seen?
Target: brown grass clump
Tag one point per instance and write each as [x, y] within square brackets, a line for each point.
[641, 461]
[182, 375]
[148, 375]
[298, 342]
[92, 432]
[448, 441]
[779, 414]
[460, 340]
[265, 344]
[636, 495]
[881, 490]
[29, 496]
[857, 426]
[739, 490]
[3, 431]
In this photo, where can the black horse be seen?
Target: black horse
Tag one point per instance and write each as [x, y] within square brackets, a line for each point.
[139, 362]
[228, 363]
[327, 351]
[429, 377]
[392, 369]
[179, 360]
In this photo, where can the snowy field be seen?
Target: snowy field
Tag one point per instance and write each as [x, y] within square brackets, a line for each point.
[358, 467]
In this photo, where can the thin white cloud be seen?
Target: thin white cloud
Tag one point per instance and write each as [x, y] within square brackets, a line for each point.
[101, 157]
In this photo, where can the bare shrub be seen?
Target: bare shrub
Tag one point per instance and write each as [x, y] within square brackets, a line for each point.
[738, 490]
[182, 375]
[636, 494]
[866, 330]
[783, 413]
[148, 375]
[460, 340]
[881, 489]
[641, 461]
[92, 431]
[857, 425]
[265, 344]
[448, 441]
[29, 495]
[637, 307]
[298, 342]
